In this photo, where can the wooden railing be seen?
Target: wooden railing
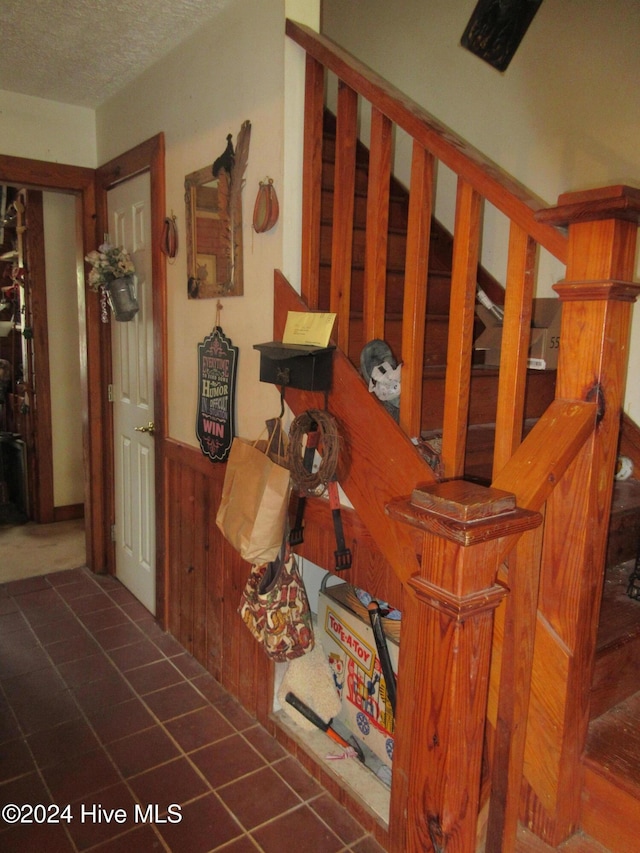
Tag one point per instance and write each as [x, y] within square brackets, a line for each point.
[563, 469]
[479, 181]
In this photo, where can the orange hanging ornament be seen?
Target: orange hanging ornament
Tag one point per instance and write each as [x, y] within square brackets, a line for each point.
[266, 209]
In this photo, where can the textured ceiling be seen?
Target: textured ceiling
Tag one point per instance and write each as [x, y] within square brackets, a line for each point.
[83, 51]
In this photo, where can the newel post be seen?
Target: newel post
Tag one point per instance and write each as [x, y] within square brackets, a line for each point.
[447, 630]
[597, 296]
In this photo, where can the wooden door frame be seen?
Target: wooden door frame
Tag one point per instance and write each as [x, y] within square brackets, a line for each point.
[146, 157]
[78, 181]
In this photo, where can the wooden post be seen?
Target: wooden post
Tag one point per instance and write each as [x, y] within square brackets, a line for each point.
[597, 297]
[447, 630]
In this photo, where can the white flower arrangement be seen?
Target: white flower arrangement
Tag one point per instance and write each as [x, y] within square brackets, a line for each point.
[107, 264]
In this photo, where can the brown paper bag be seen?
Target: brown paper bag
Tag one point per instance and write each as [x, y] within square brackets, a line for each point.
[255, 497]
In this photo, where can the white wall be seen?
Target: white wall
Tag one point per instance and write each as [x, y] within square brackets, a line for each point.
[232, 70]
[46, 130]
[564, 116]
[64, 348]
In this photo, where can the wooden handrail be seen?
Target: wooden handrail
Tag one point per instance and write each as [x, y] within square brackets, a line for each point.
[506, 194]
[562, 469]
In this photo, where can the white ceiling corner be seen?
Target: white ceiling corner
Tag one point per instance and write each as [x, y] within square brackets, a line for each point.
[84, 51]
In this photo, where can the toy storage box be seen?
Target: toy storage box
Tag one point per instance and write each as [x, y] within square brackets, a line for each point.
[348, 642]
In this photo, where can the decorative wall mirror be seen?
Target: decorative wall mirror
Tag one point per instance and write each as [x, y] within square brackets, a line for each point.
[213, 199]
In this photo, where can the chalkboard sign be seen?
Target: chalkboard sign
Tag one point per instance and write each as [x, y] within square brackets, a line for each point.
[217, 364]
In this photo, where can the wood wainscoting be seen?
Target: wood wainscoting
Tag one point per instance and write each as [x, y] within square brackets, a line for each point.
[205, 576]
[204, 579]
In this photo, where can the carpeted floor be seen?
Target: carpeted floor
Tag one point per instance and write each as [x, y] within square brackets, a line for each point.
[31, 549]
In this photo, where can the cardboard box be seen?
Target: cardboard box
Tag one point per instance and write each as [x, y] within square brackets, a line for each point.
[545, 335]
[350, 647]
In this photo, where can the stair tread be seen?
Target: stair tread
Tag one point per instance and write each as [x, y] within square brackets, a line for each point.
[626, 496]
[619, 614]
[613, 744]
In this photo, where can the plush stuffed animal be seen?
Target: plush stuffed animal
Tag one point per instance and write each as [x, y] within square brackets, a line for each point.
[381, 372]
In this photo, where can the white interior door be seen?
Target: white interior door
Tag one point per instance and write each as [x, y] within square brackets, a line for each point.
[130, 227]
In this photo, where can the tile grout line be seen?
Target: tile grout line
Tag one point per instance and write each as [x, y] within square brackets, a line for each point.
[165, 657]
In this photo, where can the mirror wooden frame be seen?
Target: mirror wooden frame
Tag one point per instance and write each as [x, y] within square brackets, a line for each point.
[213, 217]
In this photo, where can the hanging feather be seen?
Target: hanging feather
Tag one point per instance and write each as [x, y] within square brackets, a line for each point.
[235, 199]
[225, 276]
[240, 163]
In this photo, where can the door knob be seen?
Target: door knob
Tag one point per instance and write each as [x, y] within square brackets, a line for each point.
[150, 428]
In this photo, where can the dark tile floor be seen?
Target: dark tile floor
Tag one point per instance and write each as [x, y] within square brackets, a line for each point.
[104, 713]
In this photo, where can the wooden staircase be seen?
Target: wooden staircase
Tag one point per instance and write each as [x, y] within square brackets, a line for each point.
[540, 385]
[612, 757]
[556, 458]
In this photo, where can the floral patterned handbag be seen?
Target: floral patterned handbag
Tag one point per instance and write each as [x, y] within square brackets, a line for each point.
[275, 608]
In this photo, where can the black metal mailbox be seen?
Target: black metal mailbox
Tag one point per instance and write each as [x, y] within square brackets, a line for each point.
[307, 368]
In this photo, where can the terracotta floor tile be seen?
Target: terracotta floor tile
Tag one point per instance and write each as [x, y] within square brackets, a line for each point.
[36, 716]
[7, 605]
[83, 587]
[118, 635]
[84, 670]
[65, 741]
[71, 780]
[42, 606]
[90, 831]
[20, 659]
[264, 743]
[235, 713]
[201, 727]
[13, 621]
[338, 818]
[257, 798]
[95, 601]
[121, 595]
[94, 691]
[64, 628]
[135, 611]
[26, 585]
[109, 616]
[297, 777]
[120, 720]
[143, 839]
[9, 728]
[102, 693]
[174, 701]
[208, 686]
[135, 655]
[65, 577]
[176, 782]
[205, 825]
[142, 751]
[26, 789]
[34, 686]
[188, 665]
[301, 826]
[244, 844]
[80, 646]
[166, 643]
[50, 837]
[15, 760]
[226, 760]
[367, 845]
[153, 676]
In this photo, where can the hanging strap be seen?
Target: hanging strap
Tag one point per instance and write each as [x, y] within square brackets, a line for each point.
[342, 554]
[296, 536]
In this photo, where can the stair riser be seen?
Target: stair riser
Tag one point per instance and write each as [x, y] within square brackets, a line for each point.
[610, 815]
[438, 291]
[616, 676]
[397, 210]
